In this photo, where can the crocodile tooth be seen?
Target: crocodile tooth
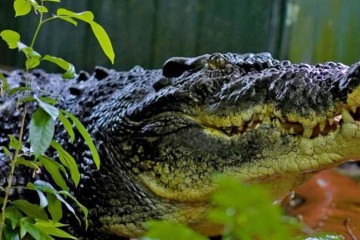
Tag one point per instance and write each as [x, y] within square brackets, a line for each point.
[228, 131]
[292, 131]
[331, 121]
[322, 126]
[251, 123]
[278, 123]
[353, 109]
[261, 116]
[346, 116]
[257, 125]
[307, 132]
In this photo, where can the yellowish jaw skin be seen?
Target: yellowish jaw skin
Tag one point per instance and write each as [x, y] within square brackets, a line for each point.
[279, 166]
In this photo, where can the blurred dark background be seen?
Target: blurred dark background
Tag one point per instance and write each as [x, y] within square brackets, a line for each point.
[147, 32]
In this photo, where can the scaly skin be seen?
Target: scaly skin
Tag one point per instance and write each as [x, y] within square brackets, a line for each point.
[163, 134]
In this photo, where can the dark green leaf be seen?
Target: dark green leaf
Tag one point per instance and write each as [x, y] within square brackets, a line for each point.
[68, 67]
[68, 161]
[31, 210]
[11, 38]
[13, 215]
[84, 133]
[18, 89]
[67, 125]
[10, 234]
[50, 109]
[41, 131]
[54, 207]
[53, 169]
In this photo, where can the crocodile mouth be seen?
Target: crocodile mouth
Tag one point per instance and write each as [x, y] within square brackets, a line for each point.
[318, 126]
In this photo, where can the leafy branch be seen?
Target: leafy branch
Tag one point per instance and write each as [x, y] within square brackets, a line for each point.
[20, 217]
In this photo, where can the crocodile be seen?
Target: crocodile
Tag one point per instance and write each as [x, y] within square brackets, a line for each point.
[163, 134]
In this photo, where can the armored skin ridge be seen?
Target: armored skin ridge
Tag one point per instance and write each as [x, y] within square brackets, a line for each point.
[162, 134]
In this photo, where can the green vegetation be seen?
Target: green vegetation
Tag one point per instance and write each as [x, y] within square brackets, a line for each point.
[20, 218]
[245, 212]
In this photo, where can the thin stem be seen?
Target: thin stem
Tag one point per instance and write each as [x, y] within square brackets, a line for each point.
[11, 175]
[36, 32]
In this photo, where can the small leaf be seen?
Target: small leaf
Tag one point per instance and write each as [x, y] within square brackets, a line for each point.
[27, 163]
[52, 230]
[4, 85]
[41, 131]
[12, 91]
[42, 9]
[84, 133]
[14, 143]
[11, 38]
[6, 151]
[97, 29]
[32, 63]
[31, 210]
[48, 100]
[86, 16]
[68, 161]
[54, 170]
[27, 99]
[22, 7]
[103, 40]
[67, 125]
[28, 51]
[50, 109]
[68, 67]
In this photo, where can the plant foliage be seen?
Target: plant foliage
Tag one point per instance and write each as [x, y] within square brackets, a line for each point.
[19, 217]
[245, 212]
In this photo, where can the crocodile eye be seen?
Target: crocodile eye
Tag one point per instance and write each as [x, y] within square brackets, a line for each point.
[217, 61]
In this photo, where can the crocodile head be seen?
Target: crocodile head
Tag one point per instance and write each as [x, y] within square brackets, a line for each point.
[250, 116]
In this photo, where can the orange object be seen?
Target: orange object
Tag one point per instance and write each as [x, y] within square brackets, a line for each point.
[328, 202]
